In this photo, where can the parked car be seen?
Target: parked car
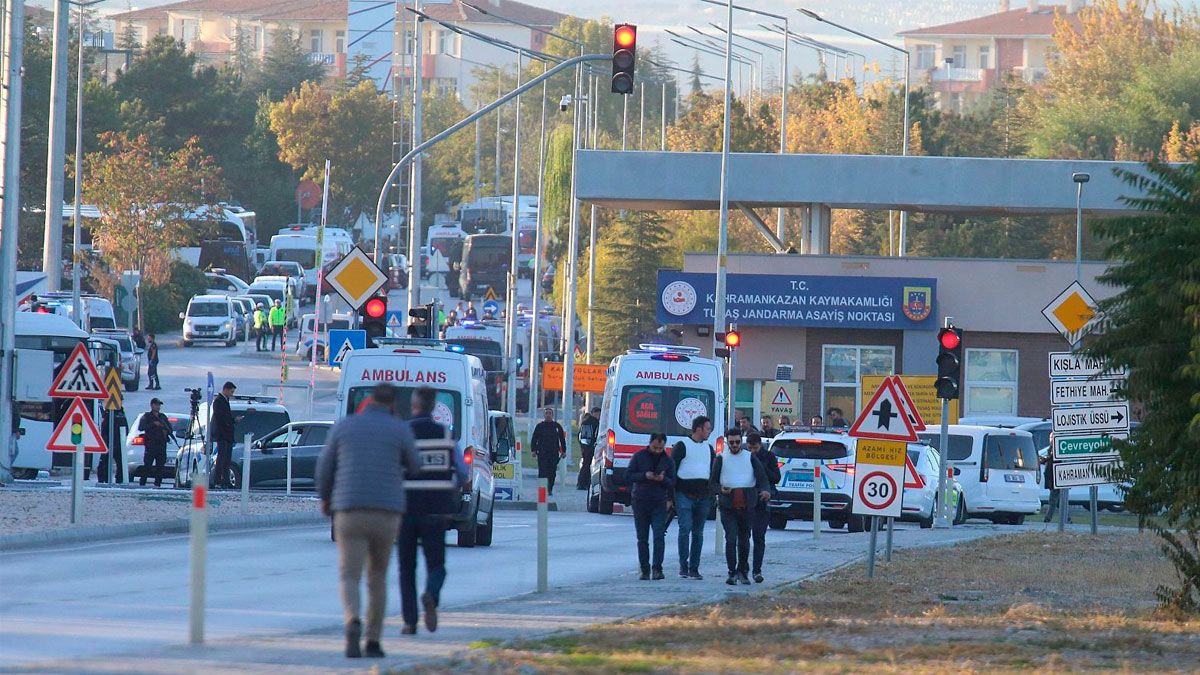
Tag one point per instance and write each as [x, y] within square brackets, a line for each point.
[220, 283]
[285, 268]
[131, 357]
[397, 269]
[255, 415]
[135, 446]
[998, 469]
[269, 456]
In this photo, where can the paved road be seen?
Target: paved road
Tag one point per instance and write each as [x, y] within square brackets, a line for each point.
[92, 602]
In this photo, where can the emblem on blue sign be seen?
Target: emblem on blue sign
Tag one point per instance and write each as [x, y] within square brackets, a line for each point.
[917, 302]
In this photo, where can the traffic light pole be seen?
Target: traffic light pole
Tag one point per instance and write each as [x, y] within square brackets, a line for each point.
[942, 518]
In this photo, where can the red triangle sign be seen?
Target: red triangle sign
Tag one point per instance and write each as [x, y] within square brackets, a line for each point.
[78, 377]
[90, 437]
[914, 415]
[912, 479]
[885, 418]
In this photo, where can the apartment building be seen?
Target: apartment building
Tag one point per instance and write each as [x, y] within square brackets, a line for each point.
[962, 61]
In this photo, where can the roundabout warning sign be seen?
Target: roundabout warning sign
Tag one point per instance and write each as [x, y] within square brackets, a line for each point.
[879, 476]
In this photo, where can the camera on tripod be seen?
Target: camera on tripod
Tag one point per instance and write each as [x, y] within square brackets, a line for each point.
[195, 395]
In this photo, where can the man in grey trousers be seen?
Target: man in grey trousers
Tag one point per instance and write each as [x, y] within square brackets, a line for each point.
[360, 479]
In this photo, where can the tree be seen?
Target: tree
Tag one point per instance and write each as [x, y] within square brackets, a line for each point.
[149, 201]
[285, 66]
[128, 39]
[352, 129]
[694, 82]
[627, 263]
[1152, 329]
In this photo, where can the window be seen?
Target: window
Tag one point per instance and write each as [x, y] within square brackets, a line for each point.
[189, 30]
[991, 382]
[258, 38]
[743, 398]
[960, 57]
[925, 56]
[1009, 453]
[339, 41]
[447, 42]
[646, 409]
[842, 369]
[985, 58]
[409, 42]
[443, 86]
[316, 41]
[446, 410]
[960, 445]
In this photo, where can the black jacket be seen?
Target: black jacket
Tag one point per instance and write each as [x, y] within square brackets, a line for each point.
[587, 429]
[156, 430]
[770, 464]
[646, 491]
[548, 437]
[751, 496]
[222, 420]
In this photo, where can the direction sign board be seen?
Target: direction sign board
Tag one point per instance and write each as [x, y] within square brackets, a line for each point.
[1078, 474]
[342, 342]
[356, 278]
[1071, 312]
[885, 417]
[76, 423]
[78, 377]
[112, 385]
[491, 307]
[920, 390]
[1066, 364]
[879, 468]
[1108, 417]
[1088, 446]
[1075, 392]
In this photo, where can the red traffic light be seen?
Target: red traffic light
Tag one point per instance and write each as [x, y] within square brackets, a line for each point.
[376, 308]
[625, 36]
[733, 339]
[949, 339]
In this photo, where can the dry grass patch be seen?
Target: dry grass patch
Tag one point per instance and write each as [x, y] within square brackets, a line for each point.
[1020, 603]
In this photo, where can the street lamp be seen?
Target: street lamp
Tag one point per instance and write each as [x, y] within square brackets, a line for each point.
[1080, 178]
[903, 249]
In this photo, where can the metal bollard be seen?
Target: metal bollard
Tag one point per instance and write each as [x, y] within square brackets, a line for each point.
[871, 548]
[543, 518]
[888, 551]
[77, 485]
[817, 500]
[289, 466]
[246, 441]
[199, 555]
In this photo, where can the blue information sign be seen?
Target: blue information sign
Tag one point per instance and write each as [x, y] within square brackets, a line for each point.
[342, 342]
[799, 301]
[491, 306]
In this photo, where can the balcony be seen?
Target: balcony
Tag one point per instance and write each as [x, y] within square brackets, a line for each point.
[961, 80]
[958, 74]
[335, 63]
[1031, 74]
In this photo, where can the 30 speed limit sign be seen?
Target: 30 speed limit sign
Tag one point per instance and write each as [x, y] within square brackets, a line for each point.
[879, 478]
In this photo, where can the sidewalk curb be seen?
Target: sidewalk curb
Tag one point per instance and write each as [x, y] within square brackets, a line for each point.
[108, 533]
[521, 506]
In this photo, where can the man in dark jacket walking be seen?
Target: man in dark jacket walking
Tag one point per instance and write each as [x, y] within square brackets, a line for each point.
[740, 483]
[152, 364]
[761, 518]
[652, 473]
[549, 444]
[222, 423]
[429, 510]
[588, 428]
[360, 480]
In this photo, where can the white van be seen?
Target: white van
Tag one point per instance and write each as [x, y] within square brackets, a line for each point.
[210, 318]
[653, 388]
[461, 406]
[299, 246]
[998, 470]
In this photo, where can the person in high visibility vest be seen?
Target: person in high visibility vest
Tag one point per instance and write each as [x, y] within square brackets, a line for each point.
[260, 328]
[278, 321]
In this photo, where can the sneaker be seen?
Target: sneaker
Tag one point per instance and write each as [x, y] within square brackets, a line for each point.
[431, 617]
[732, 580]
[409, 629]
[374, 651]
[758, 577]
[683, 573]
[695, 574]
[743, 579]
[644, 576]
[657, 575]
[353, 635]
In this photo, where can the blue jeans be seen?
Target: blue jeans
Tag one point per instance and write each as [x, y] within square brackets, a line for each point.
[649, 516]
[692, 514]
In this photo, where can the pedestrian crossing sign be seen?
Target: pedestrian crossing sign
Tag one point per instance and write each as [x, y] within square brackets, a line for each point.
[78, 377]
[342, 342]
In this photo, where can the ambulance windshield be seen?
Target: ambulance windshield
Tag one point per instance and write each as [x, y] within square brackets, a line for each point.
[446, 411]
[647, 408]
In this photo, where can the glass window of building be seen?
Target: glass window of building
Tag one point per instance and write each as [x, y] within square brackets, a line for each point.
[990, 385]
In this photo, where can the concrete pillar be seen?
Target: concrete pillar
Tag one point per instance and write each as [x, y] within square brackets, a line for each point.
[817, 221]
[805, 215]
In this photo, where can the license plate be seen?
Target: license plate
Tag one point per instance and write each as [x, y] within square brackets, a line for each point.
[1011, 478]
[798, 479]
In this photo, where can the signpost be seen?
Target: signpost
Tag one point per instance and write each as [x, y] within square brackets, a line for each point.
[342, 342]
[921, 394]
[1078, 474]
[1088, 419]
[1071, 312]
[1067, 365]
[115, 401]
[76, 432]
[1068, 448]
[490, 306]
[1076, 392]
[356, 278]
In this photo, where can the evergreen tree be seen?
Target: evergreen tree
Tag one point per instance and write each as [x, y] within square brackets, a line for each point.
[245, 61]
[632, 249]
[696, 85]
[1152, 327]
[286, 65]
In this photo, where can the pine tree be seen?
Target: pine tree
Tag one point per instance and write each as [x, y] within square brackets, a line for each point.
[696, 85]
[286, 66]
[1152, 327]
[631, 252]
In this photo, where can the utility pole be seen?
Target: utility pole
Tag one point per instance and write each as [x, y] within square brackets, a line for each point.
[52, 240]
[514, 274]
[414, 226]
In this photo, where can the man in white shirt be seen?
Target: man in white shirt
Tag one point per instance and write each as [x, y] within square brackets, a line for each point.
[740, 483]
[693, 458]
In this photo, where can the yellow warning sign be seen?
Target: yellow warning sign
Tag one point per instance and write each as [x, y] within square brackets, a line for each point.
[490, 295]
[887, 453]
[781, 398]
[924, 396]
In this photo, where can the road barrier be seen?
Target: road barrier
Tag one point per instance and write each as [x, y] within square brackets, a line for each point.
[199, 557]
[817, 500]
[543, 517]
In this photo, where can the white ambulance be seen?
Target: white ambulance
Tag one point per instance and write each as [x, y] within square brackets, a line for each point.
[461, 406]
[653, 388]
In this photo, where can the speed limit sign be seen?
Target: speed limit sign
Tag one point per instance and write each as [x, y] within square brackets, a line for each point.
[879, 477]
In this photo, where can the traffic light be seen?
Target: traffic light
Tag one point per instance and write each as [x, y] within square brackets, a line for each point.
[624, 56]
[426, 317]
[76, 429]
[373, 318]
[949, 362]
[731, 339]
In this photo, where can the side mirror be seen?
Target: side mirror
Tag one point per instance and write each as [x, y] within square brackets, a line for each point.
[257, 445]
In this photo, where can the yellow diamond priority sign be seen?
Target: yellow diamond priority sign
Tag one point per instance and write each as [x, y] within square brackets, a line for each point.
[1072, 312]
[356, 278]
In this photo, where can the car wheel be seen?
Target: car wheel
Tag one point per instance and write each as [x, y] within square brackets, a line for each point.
[1016, 519]
[231, 343]
[483, 533]
[856, 524]
[604, 503]
[926, 523]
[836, 523]
[777, 522]
[24, 474]
[132, 386]
[960, 515]
[467, 536]
[235, 478]
[179, 481]
[186, 343]
[593, 503]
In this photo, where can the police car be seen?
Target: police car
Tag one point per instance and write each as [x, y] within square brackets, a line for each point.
[654, 388]
[458, 379]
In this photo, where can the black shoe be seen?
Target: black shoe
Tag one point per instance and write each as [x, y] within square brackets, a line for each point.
[408, 630]
[743, 579]
[353, 635]
[732, 580]
[644, 576]
[430, 606]
[758, 577]
[657, 575]
[683, 573]
[374, 651]
[695, 574]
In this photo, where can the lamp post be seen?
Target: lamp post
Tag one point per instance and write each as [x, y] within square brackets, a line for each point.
[903, 248]
[1080, 178]
[55, 150]
[723, 223]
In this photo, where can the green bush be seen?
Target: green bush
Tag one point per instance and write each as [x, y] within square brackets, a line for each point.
[161, 305]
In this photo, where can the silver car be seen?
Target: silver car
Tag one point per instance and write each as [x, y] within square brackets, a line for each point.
[131, 357]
